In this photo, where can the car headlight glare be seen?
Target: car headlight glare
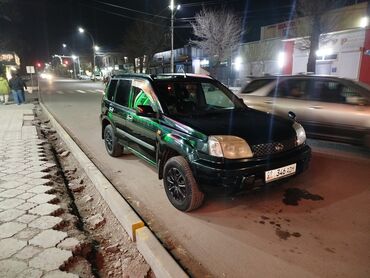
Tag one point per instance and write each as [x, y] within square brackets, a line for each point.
[228, 146]
[301, 134]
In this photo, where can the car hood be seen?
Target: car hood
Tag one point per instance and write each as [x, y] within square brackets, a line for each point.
[254, 126]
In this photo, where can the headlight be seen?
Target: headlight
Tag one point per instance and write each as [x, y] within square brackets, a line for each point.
[301, 134]
[227, 146]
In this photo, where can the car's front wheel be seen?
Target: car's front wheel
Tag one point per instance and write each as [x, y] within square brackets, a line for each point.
[180, 185]
[111, 144]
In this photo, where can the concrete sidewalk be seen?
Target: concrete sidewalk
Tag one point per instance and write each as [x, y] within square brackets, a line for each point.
[29, 244]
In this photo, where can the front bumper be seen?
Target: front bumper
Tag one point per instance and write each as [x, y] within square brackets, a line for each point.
[238, 176]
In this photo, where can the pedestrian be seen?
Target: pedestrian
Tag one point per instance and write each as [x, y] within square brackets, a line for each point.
[17, 85]
[4, 89]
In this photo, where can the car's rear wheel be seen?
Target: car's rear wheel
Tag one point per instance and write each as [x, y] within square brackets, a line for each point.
[180, 185]
[111, 143]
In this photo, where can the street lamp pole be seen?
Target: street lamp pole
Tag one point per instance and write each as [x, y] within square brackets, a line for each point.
[95, 47]
[173, 12]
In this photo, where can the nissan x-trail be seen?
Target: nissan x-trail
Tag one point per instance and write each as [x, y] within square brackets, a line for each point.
[199, 135]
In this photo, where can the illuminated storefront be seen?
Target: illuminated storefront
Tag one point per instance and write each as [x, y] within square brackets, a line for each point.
[11, 62]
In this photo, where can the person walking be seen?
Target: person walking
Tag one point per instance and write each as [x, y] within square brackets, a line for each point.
[4, 89]
[17, 85]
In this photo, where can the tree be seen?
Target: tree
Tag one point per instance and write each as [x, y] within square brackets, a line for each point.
[218, 34]
[144, 40]
[317, 23]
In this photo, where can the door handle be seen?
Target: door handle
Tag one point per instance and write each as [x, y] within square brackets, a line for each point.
[111, 109]
[316, 107]
[268, 101]
[129, 118]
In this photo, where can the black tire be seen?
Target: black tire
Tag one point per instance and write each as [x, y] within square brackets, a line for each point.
[111, 145]
[180, 185]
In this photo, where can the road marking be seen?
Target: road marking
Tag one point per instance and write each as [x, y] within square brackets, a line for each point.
[80, 91]
[60, 92]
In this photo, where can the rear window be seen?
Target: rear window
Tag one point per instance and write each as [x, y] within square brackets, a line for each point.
[255, 85]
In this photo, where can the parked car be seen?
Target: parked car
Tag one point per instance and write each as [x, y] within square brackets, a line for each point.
[199, 135]
[328, 107]
[83, 77]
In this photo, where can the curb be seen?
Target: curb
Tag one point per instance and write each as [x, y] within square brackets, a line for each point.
[161, 262]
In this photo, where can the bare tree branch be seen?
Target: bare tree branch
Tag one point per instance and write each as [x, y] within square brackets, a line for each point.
[218, 33]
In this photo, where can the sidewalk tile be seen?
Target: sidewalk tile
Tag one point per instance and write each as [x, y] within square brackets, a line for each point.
[41, 189]
[28, 252]
[27, 218]
[38, 175]
[11, 203]
[27, 206]
[10, 214]
[11, 268]
[48, 238]
[45, 209]
[42, 198]
[25, 196]
[45, 222]
[9, 229]
[50, 259]
[10, 246]
[27, 233]
[10, 184]
[60, 274]
[11, 193]
[30, 273]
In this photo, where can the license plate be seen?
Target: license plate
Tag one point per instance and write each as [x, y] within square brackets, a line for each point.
[279, 173]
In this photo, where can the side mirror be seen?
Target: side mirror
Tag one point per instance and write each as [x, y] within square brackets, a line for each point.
[145, 111]
[292, 115]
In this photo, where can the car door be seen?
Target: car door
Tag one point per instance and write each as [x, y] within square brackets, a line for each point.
[119, 108]
[108, 98]
[336, 109]
[289, 95]
[142, 131]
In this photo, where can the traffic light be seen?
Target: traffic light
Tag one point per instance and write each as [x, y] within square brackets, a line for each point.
[38, 65]
[66, 62]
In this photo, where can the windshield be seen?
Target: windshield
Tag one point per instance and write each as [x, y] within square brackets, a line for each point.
[194, 97]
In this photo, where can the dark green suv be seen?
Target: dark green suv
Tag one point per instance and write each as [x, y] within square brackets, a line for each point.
[199, 135]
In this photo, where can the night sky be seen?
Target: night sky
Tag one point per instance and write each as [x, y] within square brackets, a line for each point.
[46, 24]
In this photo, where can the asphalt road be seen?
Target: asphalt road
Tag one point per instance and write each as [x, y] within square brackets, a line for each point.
[254, 235]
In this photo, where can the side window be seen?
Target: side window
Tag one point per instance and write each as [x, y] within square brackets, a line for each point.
[352, 95]
[139, 97]
[294, 88]
[326, 91]
[111, 89]
[123, 92]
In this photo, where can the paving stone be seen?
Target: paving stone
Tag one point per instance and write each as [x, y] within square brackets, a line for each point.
[43, 198]
[48, 238]
[41, 189]
[26, 186]
[10, 228]
[27, 206]
[50, 259]
[27, 233]
[70, 244]
[28, 252]
[25, 196]
[10, 246]
[38, 175]
[11, 193]
[11, 171]
[59, 274]
[10, 184]
[27, 218]
[11, 203]
[39, 181]
[45, 209]
[38, 168]
[46, 222]
[30, 273]
[2, 175]
[11, 268]
[10, 214]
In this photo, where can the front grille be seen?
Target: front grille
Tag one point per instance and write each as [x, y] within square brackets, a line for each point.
[273, 148]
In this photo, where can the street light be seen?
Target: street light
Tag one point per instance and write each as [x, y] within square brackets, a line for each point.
[173, 9]
[95, 47]
[64, 45]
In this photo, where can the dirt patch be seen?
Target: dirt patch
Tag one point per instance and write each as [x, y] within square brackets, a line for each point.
[285, 234]
[293, 195]
[108, 252]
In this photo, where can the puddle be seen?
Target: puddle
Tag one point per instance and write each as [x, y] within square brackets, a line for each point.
[293, 195]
